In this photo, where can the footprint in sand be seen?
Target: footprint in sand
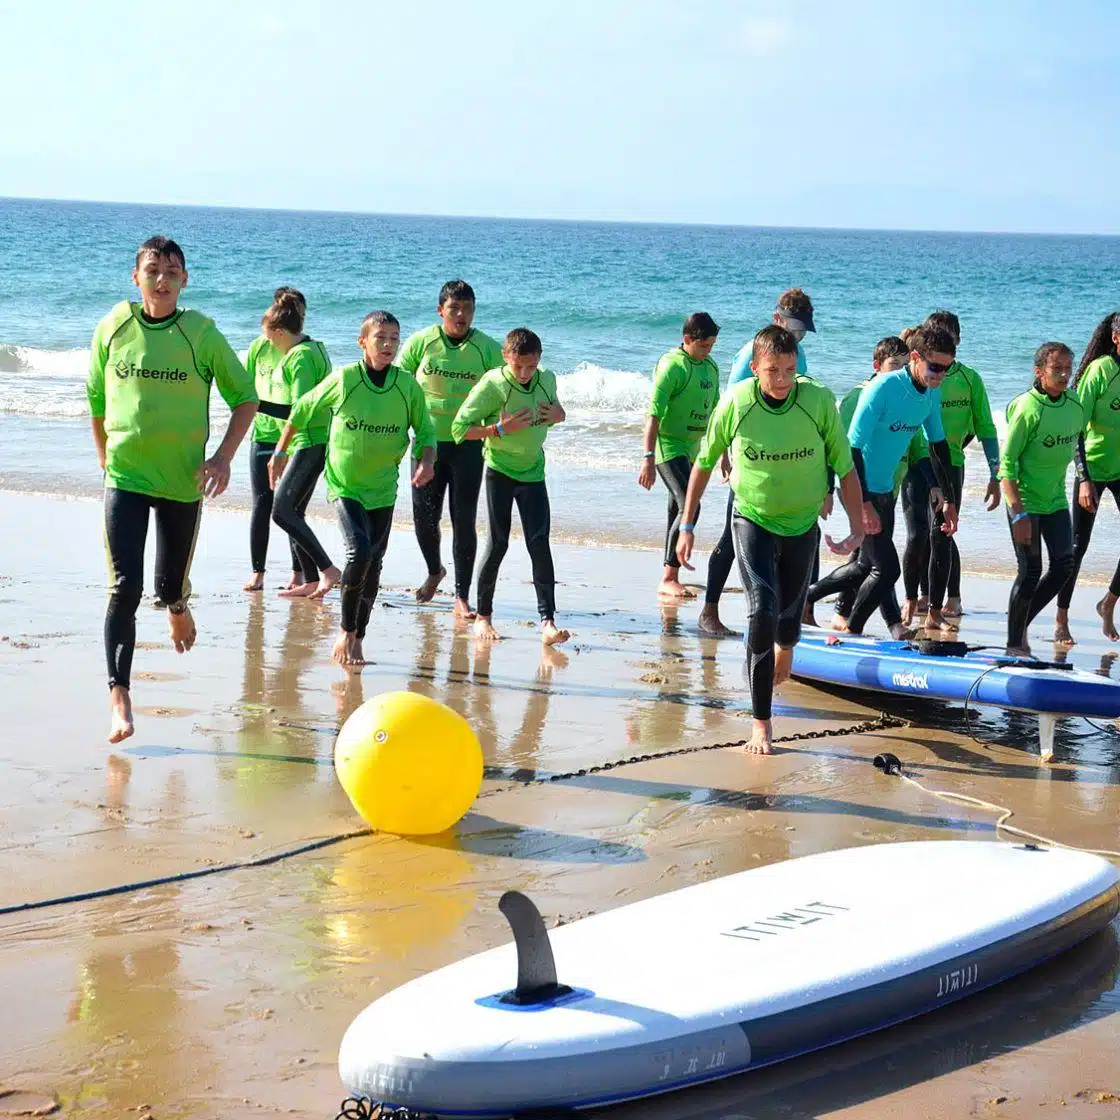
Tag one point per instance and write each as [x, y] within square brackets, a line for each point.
[150, 676]
[173, 713]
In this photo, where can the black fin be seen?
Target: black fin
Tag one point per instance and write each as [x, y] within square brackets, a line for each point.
[536, 966]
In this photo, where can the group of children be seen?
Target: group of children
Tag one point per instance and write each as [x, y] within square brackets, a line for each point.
[468, 412]
[783, 443]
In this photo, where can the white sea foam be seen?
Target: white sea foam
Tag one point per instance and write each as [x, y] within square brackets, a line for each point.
[620, 393]
[27, 361]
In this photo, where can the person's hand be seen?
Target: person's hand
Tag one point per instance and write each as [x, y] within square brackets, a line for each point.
[516, 421]
[847, 546]
[1021, 531]
[949, 519]
[213, 476]
[423, 474]
[725, 467]
[549, 413]
[992, 495]
[937, 499]
[826, 507]
[1087, 496]
[646, 474]
[277, 461]
[684, 548]
[872, 526]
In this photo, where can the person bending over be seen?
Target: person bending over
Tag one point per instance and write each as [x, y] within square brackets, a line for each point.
[784, 436]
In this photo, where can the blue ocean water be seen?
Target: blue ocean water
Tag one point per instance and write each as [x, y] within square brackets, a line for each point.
[607, 299]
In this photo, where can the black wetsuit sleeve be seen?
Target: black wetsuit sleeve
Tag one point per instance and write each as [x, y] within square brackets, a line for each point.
[271, 408]
[940, 462]
[1080, 465]
[861, 470]
[925, 467]
[831, 479]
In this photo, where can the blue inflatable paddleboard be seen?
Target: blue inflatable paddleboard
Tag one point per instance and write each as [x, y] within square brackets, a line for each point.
[981, 678]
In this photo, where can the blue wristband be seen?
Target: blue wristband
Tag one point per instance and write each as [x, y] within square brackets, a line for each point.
[1019, 517]
[499, 429]
[689, 527]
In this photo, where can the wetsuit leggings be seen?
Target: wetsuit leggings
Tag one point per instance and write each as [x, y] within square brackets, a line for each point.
[884, 570]
[1083, 521]
[722, 557]
[674, 473]
[289, 509]
[845, 582]
[260, 519]
[916, 555]
[126, 534]
[366, 532]
[536, 522]
[1031, 591]
[458, 473]
[944, 556]
[775, 571]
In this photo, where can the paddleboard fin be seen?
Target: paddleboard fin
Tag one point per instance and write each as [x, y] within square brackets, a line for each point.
[536, 966]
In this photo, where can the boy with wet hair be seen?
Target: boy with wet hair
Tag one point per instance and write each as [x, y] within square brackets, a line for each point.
[448, 359]
[152, 367]
[509, 412]
[685, 390]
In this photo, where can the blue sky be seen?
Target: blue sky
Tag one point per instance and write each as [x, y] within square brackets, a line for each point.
[901, 114]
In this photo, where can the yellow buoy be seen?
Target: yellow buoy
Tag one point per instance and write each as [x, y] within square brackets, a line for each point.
[409, 764]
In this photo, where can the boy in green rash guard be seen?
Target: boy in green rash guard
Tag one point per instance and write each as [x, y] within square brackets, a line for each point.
[303, 365]
[152, 365]
[262, 362]
[511, 410]
[369, 408]
[685, 390]
[784, 435]
[1097, 385]
[1043, 428]
[447, 360]
[965, 412]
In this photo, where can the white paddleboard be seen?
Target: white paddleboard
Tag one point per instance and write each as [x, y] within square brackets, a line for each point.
[727, 975]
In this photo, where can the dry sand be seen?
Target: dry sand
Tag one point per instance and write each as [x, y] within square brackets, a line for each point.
[226, 997]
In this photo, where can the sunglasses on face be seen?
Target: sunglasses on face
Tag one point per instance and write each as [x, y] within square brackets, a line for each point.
[938, 367]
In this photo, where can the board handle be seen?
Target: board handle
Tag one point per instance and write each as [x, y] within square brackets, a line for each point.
[536, 966]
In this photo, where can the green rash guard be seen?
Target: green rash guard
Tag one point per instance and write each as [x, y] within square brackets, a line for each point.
[1041, 441]
[780, 456]
[965, 410]
[261, 363]
[447, 371]
[915, 453]
[150, 382]
[1098, 390]
[367, 430]
[684, 393]
[301, 369]
[519, 455]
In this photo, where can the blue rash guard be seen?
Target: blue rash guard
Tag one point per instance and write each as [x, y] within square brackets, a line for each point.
[890, 410]
[741, 366]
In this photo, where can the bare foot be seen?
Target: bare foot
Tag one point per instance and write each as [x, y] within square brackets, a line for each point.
[936, 620]
[484, 630]
[304, 591]
[710, 623]
[838, 622]
[463, 610]
[953, 608]
[901, 632]
[674, 589]
[909, 610]
[1105, 608]
[426, 590]
[294, 582]
[761, 738]
[1062, 635]
[1023, 650]
[328, 581]
[120, 714]
[256, 583]
[182, 628]
[551, 635]
[923, 604]
[783, 665]
[347, 649]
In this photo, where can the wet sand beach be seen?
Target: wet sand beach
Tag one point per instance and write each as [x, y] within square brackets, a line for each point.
[226, 996]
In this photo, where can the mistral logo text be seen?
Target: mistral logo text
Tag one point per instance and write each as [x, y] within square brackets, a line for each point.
[124, 370]
[763, 455]
[910, 679]
[357, 424]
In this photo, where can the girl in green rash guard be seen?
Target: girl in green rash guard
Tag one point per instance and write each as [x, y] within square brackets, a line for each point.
[262, 363]
[1043, 428]
[1098, 465]
[369, 408]
[512, 409]
[304, 363]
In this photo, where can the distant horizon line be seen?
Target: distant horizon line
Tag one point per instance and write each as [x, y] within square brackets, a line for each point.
[547, 221]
